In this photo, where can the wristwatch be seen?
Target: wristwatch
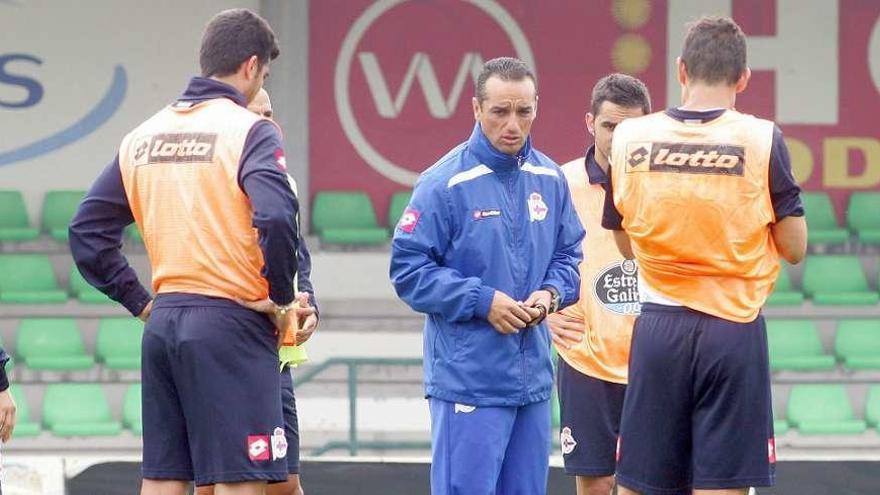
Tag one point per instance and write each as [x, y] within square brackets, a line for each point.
[283, 309]
[554, 299]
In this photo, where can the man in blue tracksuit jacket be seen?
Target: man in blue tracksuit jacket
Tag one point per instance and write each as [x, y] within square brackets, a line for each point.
[489, 244]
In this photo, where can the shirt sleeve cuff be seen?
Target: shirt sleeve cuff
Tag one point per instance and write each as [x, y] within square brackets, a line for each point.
[484, 301]
[137, 300]
[4, 380]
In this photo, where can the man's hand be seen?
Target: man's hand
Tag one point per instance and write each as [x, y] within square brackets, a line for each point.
[509, 316]
[308, 318]
[540, 296]
[148, 310]
[281, 321]
[541, 300]
[565, 330]
[7, 415]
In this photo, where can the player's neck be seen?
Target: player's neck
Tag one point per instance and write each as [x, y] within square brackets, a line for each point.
[602, 160]
[232, 80]
[705, 97]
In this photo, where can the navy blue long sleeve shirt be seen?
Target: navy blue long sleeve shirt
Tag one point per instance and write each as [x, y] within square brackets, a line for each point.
[96, 230]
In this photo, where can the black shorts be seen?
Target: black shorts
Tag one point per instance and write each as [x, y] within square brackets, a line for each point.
[697, 412]
[589, 421]
[211, 408]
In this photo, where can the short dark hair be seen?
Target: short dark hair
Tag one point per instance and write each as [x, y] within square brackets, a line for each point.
[231, 38]
[714, 50]
[505, 68]
[620, 89]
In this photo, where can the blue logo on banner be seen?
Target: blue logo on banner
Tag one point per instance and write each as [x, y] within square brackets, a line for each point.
[89, 123]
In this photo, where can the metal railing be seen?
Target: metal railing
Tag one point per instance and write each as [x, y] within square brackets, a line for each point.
[353, 444]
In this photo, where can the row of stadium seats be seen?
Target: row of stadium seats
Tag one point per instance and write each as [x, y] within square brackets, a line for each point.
[795, 345]
[30, 279]
[348, 217]
[56, 344]
[338, 217]
[82, 409]
[816, 409]
[57, 211]
[827, 280]
[862, 219]
[78, 410]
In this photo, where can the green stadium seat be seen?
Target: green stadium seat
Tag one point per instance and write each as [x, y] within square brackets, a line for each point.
[78, 410]
[24, 427]
[84, 292]
[52, 344]
[857, 344]
[837, 280]
[14, 223]
[795, 345]
[131, 410]
[780, 427]
[822, 409]
[399, 202]
[28, 279]
[862, 216]
[872, 406]
[783, 292]
[118, 344]
[58, 209]
[822, 223]
[342, 217]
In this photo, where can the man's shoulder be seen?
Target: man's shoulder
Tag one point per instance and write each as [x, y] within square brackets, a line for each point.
[574, 170]
[444, 170]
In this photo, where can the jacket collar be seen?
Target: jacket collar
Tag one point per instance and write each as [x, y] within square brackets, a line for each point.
[595, 174]
[479, 145]
[203, 88]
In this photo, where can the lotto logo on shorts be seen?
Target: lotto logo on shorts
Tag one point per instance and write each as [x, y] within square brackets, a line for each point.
[258, 448]
[771, 450]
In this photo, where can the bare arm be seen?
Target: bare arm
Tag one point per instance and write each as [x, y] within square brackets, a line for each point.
[790, 236]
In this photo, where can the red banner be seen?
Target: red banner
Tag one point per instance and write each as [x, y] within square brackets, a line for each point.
[391, 81]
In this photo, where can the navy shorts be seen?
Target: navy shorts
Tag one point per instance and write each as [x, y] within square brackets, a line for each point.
[291, 423]
[211, 408]
[697, 412]
[589, 421]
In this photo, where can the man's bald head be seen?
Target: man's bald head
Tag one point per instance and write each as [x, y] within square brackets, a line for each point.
[261, 104]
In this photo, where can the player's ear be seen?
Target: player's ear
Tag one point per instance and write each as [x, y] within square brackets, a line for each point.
[681, 71]
[743, 80]
[250, 67]
[590, 119]
[535, 110]
[477, 110]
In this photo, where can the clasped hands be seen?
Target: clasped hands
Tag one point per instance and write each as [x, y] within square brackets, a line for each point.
[508, 316]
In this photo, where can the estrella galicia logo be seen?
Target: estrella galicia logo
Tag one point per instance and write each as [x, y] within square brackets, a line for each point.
[34, 92]
[616, 288]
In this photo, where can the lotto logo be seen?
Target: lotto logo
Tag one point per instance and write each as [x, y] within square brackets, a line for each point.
[258, 447]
